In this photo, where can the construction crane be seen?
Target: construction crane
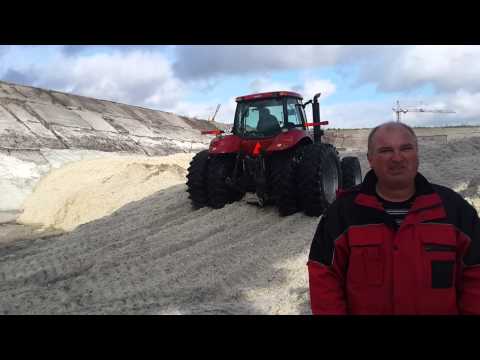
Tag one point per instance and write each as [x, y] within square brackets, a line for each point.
[215, 114]
[399, 110]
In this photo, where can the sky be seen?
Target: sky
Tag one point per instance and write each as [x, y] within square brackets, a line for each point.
[360, 84]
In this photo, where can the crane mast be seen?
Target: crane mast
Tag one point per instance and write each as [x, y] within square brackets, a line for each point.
[215, 114]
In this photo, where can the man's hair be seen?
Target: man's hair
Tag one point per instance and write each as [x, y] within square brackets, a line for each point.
[389, 124]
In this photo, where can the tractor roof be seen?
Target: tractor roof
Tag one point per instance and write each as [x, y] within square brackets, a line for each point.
[266, 95]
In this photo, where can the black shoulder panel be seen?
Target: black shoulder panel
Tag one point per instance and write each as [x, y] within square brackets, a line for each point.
[463, 216]
[336, 219]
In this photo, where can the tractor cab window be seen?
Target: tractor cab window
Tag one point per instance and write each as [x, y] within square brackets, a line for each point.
[294, 113]
[261, 118]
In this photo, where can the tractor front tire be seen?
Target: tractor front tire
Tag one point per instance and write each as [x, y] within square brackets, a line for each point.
[319, 178]
[283, 167]
[219, 193]
[197, 180]
[351, 172]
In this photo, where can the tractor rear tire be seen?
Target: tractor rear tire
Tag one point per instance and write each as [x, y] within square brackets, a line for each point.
[219, 193]
[197, 180]
[283, 168]
[319, 178]
[351, 172]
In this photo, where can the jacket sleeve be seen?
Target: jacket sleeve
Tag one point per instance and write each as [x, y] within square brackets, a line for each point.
[469, 296]
[327, 265]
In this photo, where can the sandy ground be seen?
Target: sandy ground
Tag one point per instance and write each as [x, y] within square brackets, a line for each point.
[83, 191]
[155, 255]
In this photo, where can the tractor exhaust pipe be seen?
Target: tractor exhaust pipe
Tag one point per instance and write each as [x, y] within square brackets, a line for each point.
[317, 132]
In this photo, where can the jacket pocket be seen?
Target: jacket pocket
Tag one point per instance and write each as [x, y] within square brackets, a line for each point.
[442, 274]
[440, 262]
[367, 261]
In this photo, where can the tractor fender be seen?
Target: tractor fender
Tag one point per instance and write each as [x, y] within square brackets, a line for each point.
[225, 144]
[287, 140]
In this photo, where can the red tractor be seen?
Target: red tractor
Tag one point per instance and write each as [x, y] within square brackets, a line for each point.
[272, 153]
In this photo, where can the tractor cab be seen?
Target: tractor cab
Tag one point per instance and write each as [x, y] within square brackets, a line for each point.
[268, 114]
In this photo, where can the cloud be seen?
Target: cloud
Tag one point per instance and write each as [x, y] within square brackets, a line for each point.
[446, 68]
[19, 77]
[307, 89]
[369, 113]
[135, 75]
[73, 50]
[206, 61]
[4, 49]
[314, 86]
[135, 78]
[266, 84]
[392, 68]
[463, 103]
[359, 114]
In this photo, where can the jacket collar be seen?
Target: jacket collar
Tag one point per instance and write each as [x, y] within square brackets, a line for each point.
[425, 195]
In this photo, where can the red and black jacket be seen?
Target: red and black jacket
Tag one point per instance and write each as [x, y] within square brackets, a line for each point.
[360, 262]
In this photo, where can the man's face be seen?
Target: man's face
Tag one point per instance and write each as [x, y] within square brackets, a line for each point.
[394, 156]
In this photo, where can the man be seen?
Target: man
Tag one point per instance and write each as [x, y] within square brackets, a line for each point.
[267, 123]
[396, 244]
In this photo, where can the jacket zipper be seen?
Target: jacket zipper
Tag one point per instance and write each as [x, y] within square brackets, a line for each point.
[437, 247]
